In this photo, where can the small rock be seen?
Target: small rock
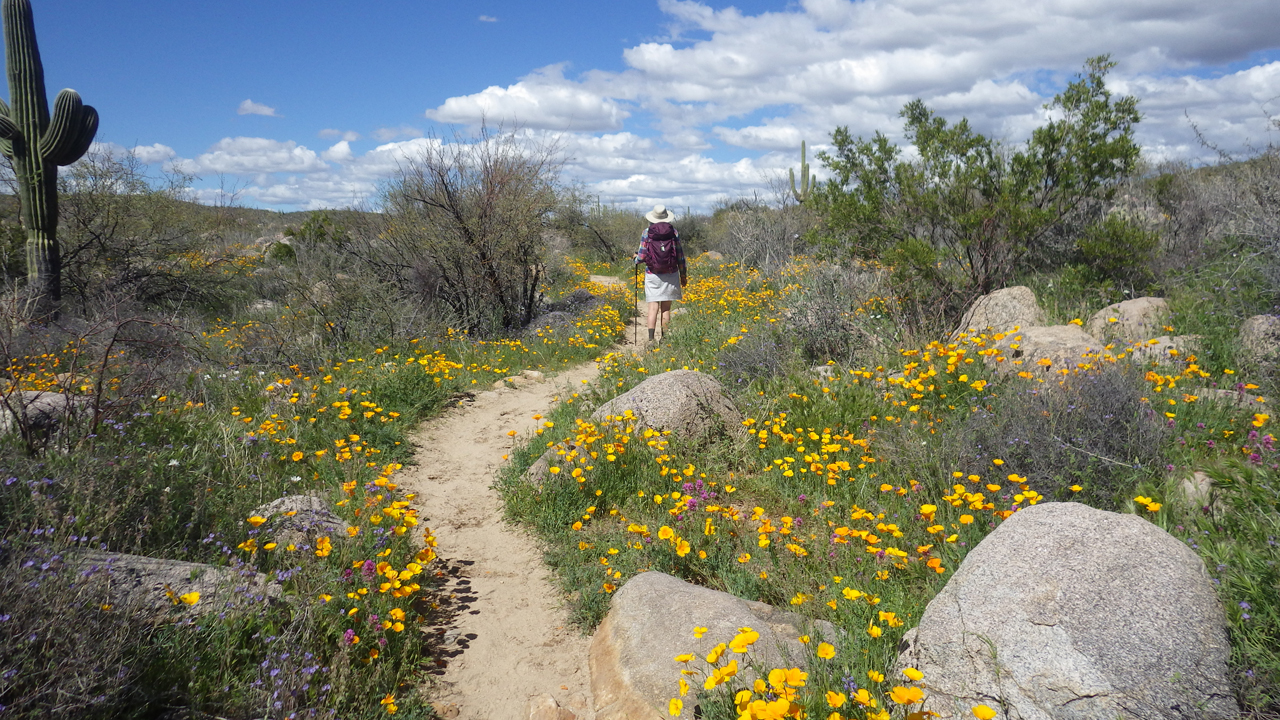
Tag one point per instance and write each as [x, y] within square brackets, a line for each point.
[1001, 311]
[1260, 339]
[826, 372]
[263, 305]
[1197, 489]
[692, 405]
[297, 519]
[1238, 398]
[545, 707]
[448, 711]
[36, 409]
[72, 383]
[1130, 321]
[711, 255]
[321, 293]
[533, 375]
[1164, 349]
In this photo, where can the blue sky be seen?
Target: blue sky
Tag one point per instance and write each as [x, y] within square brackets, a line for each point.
[312, 104]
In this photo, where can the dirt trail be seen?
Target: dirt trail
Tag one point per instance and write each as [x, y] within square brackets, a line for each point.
[511, 639]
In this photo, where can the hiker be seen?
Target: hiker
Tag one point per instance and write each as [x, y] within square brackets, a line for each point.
[665, 273]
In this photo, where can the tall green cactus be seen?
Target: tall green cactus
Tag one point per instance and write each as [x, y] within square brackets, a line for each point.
[37, 144]
[805, 186]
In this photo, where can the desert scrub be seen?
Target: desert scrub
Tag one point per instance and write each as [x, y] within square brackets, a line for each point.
[1239, 539]
[1092, 438]
[851, 495]
[183, 458]
[65, 651]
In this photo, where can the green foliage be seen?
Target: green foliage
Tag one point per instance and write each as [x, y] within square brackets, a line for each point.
[967, 214]
[1120, 250]
[37, 143]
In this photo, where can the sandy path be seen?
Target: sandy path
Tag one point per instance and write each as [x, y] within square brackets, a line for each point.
[513, 639]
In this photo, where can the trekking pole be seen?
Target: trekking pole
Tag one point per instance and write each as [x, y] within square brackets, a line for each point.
[635, 293]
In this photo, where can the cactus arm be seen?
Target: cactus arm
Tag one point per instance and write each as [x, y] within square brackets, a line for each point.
[72, 120]
[83, 138]
[64, 124]
[8, 131]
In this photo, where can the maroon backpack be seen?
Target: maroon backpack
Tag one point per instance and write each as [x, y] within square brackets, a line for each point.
[660, 249]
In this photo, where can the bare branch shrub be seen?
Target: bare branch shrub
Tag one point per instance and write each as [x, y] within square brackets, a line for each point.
[842, 314]
[64, 650]
[471, 215]
[126, 234]
[763, 235]
[759, 356]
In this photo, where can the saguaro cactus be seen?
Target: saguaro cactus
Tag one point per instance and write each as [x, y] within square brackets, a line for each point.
[37, 144]
[803, 193]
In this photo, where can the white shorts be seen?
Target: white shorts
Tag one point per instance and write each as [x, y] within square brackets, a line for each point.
[660, 288]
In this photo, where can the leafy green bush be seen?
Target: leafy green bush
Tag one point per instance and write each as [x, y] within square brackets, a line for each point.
[968, 214]
[1119, 249]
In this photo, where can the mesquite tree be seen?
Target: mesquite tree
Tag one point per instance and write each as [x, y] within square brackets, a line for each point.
[37, 143]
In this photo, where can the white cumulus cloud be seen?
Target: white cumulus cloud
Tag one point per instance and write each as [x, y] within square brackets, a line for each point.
[247, 155]
[715, 103]
[387, 134]
[331, 133]
[249, 107]
[542, 99]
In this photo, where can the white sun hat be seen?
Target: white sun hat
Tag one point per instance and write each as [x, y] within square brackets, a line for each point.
[658, 214]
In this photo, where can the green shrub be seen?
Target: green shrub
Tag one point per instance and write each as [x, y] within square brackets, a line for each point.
[1120, 250]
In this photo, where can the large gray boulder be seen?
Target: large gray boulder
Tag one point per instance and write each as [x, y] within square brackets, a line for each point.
[153, 586]
[1070, 612]
[1130, 321]
[651, 620]
[1064, 346]
[38, 410]
[1001, 311]
[692, 405]
[1260, 339]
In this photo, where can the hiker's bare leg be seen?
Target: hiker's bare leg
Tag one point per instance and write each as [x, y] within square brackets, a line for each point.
[666, 315]
[653, 315]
